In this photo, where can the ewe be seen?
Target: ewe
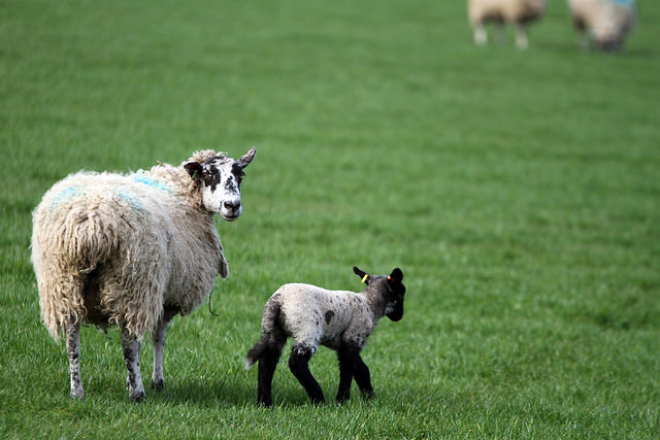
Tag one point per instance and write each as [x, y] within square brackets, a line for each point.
[606, 22]
[518, 12]
[314, 316]
[132, 250]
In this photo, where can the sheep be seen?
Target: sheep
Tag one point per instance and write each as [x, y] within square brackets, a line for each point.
[520, 12]
[314, 316]
[132, 250]
[606, 22]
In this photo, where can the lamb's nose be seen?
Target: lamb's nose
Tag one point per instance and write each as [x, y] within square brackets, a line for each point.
[231, 206]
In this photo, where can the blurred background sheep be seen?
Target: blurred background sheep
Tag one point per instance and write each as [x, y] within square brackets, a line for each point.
[606, 23]
[502, 12]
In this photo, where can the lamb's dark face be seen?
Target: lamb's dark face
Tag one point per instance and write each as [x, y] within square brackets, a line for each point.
[394, 308]
[392, 287]
[221, 179]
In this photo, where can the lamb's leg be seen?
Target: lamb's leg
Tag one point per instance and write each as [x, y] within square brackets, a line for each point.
[73, 351]
[299, 366]
[131, 346]
[348, 355]
[267, 365]
[158, 337]
[363, 378]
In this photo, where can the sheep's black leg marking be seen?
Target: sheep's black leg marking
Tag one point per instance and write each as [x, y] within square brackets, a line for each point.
[299, 366]
[348, 355]
[267, 365]
[158, 337]
[363, 378]
[131, 346]
[73, 351]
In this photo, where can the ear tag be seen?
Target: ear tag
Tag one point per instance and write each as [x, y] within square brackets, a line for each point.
[389, 278]
[364, 278]
[193, 175]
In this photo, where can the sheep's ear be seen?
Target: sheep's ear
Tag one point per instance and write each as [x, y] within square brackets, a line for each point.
[396, 275]
[194, 170]
[245, 160]
[362, 274]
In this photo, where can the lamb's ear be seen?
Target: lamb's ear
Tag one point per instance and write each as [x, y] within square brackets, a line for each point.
[362, 274]
[245, 160]
[396, 276]
[194, 170]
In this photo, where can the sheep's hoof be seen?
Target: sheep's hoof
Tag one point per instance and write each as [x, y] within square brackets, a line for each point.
[79, 394]
[138, 397]
[158, 384]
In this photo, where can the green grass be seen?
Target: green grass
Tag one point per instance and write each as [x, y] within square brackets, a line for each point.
[518, 191]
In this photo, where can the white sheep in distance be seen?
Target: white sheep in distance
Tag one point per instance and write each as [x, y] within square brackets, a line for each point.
[132, 250]
[314, 316]
[605, 22]
[518, 12]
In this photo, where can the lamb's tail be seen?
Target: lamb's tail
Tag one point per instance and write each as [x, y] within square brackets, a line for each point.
[268, 325]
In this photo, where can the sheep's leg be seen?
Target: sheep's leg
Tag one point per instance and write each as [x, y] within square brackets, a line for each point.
[480, 34]
[158, 337]
[363, 378]
[500, 32]
[73, 351]
[267, 365]
[521, 36]
[348, 355]
[299, 366]
[131, 346]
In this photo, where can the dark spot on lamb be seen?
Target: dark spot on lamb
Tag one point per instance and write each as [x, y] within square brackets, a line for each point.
[328, 316]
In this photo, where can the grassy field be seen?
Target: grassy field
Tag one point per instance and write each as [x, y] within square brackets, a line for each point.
[518, 191]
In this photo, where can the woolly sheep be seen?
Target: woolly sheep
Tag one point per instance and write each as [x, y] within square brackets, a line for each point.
[520, 12]
[314, 316]
[132, 250]
[606, 22]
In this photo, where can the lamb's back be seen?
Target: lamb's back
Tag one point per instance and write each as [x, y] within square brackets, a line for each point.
[313, 312]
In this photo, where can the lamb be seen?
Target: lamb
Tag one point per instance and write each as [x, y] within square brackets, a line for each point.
[605, 22]
[314, 316]
[133, 250]
[520, 12]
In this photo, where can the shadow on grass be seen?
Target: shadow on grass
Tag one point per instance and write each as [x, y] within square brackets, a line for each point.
[204, 393]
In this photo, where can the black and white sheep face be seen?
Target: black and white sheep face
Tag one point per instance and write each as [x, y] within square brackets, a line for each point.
[220, 180]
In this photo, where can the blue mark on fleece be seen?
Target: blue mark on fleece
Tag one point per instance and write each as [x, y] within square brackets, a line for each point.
[624, 2]
[66, 194]
[131, 199]
[141, 178]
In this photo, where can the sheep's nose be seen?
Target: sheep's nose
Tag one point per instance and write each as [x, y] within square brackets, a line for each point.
[231, 206]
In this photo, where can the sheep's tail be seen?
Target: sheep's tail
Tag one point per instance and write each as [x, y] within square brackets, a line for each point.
[65, 250]
[268, 325]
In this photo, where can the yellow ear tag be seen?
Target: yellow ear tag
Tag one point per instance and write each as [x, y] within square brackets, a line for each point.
[364, 278]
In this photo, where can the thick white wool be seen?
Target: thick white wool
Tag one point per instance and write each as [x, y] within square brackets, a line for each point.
[609, 21]
[144, 236]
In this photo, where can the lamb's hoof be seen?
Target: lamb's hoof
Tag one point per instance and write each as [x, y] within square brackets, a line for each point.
[366, 395]
[265, 404]
[158, 384]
